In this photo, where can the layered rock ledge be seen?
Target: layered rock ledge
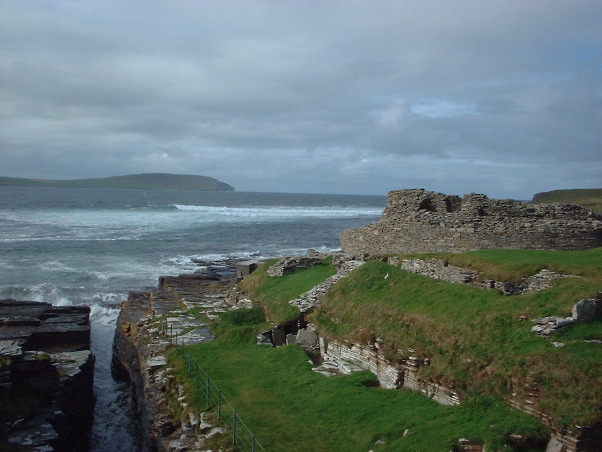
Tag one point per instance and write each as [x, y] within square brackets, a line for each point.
[46, 376]
[148, 325]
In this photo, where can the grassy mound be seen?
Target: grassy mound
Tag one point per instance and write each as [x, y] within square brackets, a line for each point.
[478, 341]
[274, 293]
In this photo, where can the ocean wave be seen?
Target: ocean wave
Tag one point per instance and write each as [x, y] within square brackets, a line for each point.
[103, 315]
[193, 262]
[283, 211]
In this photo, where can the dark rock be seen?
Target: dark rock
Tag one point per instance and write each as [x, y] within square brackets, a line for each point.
[48, 350]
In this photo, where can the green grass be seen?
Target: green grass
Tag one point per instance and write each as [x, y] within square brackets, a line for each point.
[513, 265]
[475, 338]
[240, 326]
[274, 293]
[478, 342]
[291, 408]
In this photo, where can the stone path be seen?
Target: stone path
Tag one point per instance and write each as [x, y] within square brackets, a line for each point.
[173, 314]
[307, 301]
[180, 294]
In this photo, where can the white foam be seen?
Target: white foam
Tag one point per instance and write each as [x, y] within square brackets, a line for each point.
[283, 211]
[103, 315]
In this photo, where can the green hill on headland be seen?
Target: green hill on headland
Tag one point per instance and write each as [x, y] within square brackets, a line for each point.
[589, 198]
[148, 181]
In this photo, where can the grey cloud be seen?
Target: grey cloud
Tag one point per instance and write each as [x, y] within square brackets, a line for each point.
[256, 91]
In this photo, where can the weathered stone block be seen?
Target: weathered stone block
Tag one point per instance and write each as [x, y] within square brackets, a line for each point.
[307, 338]
[584, 310]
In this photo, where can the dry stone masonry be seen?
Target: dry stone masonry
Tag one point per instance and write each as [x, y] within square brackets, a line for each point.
[346, 358]
[420, 221]
[291, 264]
[307, 301]
[441, 269]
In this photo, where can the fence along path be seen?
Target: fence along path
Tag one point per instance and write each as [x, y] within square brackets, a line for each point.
[179, 331]
[215, 400]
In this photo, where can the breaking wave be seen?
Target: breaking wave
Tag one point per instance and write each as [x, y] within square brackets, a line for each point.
[283, 211]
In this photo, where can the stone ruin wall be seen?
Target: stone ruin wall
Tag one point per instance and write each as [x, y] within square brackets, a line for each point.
[390, 375]
[420, 221]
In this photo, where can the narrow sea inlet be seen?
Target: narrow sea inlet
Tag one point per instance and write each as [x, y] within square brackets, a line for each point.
[69, 246]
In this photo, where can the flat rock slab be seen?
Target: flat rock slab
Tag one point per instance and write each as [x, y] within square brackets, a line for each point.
[70, 364]
[11, 348]
[16, 332]
[41, 326]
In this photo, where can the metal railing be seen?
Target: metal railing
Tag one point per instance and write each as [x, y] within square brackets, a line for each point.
[214, 398]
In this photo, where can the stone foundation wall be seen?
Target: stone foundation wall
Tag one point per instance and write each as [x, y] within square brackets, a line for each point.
[440, 269]
[420, 221]
[390, 375]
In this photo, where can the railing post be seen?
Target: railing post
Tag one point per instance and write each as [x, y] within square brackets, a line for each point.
[219, 406]
[208, 395]
[234, 429]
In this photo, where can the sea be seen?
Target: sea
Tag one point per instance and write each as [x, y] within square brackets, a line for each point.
[71, 246]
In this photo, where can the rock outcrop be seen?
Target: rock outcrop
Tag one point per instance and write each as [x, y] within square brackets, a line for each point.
[147, 326]
[420, 221]
[45, 358]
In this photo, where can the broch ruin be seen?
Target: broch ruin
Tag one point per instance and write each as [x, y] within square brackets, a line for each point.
[421, 221]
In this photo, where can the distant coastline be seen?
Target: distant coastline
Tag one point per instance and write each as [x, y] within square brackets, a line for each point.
[590, 198]
[147, 181]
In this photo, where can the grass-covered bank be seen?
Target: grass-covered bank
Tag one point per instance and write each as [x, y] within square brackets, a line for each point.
[479, 341]
[273, 294]
[291, 408]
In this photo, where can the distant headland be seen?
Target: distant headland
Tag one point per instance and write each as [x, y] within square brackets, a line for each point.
[146, 181]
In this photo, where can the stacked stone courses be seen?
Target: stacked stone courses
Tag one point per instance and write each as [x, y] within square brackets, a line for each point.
[421, 221]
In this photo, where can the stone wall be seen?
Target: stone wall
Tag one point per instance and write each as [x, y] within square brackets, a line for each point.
[441, 269]
[420, 221]
[290, 264]
[348, 356]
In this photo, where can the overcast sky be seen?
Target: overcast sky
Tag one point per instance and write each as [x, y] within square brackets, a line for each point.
[361, 97]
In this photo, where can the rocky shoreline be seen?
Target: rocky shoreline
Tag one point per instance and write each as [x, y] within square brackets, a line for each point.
[148, 326]
[46, 376]
[48, 349]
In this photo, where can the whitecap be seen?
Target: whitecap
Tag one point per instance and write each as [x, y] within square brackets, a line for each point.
[283, 211]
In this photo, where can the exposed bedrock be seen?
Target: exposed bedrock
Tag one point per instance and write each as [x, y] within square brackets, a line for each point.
[148, 324]
[45, 358]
